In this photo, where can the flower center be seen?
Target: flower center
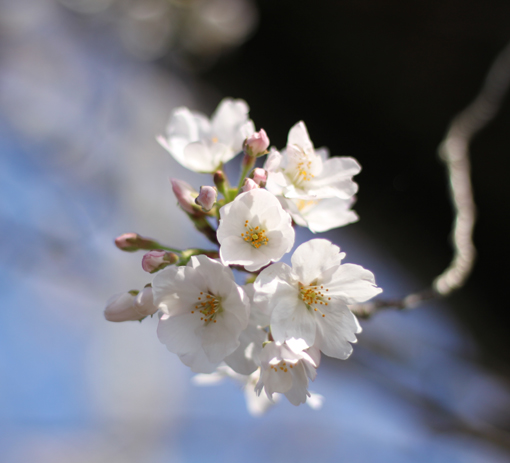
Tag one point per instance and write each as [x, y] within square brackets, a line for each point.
[303, 169]
[209, 307]
[255, 236]
[314, 296]
[304, 205]
[281, 367]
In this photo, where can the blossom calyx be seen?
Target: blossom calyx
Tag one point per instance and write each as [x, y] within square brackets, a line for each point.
[158, 260]
[131, 242]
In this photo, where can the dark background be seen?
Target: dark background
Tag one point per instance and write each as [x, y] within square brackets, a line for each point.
[380, 81]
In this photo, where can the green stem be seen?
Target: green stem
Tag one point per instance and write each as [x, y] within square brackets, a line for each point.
[188, 253]
[248, 163]
[167, 248]
[204, 227]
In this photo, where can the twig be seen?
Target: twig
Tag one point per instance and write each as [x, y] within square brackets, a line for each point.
[454, 152]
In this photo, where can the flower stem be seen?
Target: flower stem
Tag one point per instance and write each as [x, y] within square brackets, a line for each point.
[247, 164]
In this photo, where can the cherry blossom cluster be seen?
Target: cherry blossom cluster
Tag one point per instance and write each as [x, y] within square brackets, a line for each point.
[235, 310]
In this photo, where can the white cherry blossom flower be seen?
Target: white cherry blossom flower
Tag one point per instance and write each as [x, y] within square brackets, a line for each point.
[202, 145]
[302, 172]
[286, 368]
[310, 300]
[254, 230]
[320, 215]
[204, 312]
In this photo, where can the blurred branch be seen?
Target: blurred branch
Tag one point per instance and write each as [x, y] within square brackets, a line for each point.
[454, 152]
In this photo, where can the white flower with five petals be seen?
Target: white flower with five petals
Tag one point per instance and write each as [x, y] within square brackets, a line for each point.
[202, 145]
[204, 312]
[254, 230]
[286, 368]
[302, 172]
[310, 300]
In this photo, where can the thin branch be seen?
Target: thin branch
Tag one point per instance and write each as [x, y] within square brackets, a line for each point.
[454, 152]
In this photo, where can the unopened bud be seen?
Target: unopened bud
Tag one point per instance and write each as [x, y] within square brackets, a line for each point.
[259, 177]
[132, 242]
[158, 260]
[186, 195]
[207, 197]
[130, 306]
[144, 302]
[256, 144]
[248, 185]
[220, 180]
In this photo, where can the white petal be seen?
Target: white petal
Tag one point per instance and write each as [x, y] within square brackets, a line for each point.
[352, 284]
[233, 217]
[198, 362]
[298, 393]
[336, 179]
[197, 156]
[329, 213]
[217, 279]
[183, 124]
[313, 258]
[242, 360]
[298, 135]
[219, 340]
[267, 285]
[175, 290]
[228, 118]
[336, 330]
[179, 333]
[273, 161]
[235, 250]
[291, 318]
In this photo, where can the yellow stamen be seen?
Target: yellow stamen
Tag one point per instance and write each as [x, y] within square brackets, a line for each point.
[255, 236]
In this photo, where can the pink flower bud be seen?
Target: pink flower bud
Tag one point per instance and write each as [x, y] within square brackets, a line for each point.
[131, 242]
[207, 197]
[157, 260]
[256, 144]
[248, 185]
[260, 177]
[186, 195]
[144, 302]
